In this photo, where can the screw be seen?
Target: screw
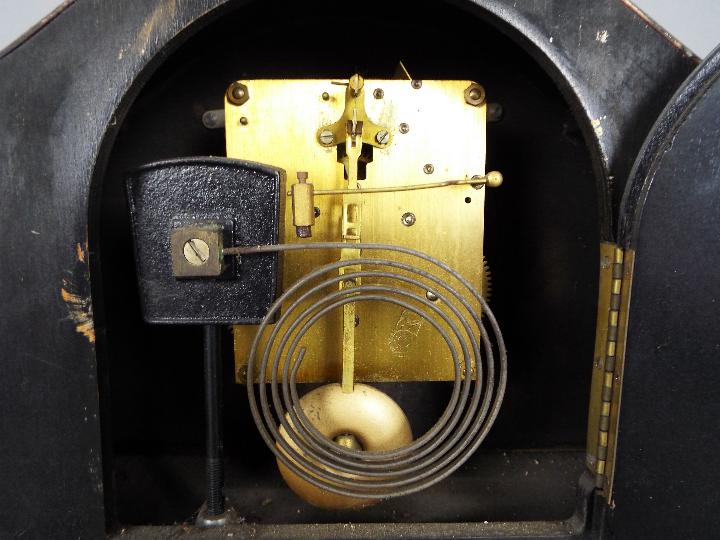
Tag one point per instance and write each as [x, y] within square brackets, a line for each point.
[378, 93]
[327, 137]
[431, 296]
[325, 96]
[416, 84]
[196, 251]
[357, 321]
[428, 168]
[408, 219]
[404, 128]
[382, 137]
[243, 121]
[317, 212]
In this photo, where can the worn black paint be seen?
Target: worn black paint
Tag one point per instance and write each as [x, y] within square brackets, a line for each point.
[69, 88]
[244, 198]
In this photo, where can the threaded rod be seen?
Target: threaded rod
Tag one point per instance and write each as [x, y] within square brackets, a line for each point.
[214, 471]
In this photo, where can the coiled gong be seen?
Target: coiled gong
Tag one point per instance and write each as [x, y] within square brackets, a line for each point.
[338, 448]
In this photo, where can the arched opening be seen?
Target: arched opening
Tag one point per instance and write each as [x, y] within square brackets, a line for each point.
[542, 236]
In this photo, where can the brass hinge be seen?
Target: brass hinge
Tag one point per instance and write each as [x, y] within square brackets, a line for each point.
[615, 282]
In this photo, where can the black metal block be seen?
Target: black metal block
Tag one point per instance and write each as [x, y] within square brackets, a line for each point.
[243, 199]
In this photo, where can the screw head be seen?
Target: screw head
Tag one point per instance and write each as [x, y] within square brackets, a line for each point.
[237, 93]
[382, 137]
[416, 84]
[404, 128]
[431, 296]
[316, 211]
[428, 168]
[475, 95]
[408, 219]
[325, 96]
[196, 251]
[326, 137]
[243, 121]
[379, 93]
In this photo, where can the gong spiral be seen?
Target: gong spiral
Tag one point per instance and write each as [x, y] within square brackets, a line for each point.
[456, 311]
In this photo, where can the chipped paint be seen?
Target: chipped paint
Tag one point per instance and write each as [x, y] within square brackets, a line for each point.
[79, 305]
[601, 36]
[597, 125]
[80, 253]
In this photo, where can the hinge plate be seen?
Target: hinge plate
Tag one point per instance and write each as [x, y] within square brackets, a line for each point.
[616, 266]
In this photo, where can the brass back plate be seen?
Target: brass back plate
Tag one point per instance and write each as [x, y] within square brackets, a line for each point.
[431, 125]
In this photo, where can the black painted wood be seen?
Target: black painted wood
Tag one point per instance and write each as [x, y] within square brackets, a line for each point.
[64, 92]
[666, 472]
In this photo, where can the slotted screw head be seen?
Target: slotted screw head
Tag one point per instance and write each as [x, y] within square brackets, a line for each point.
[327, 137]
[196, 251]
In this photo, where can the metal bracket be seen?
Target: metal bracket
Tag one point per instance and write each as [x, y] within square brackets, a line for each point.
[196, 250]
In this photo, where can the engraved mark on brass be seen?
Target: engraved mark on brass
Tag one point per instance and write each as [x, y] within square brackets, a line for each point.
[403, 335]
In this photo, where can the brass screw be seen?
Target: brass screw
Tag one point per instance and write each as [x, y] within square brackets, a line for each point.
[243, 121]
[196, 251]
[378, 93]
[404, 128]
[416, 84]
[408, 219]
[428, 168]
[325, 96]
[327, 137]
[431, 296]
[382, 137]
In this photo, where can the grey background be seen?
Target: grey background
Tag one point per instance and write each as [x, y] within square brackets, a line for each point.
[694, 22]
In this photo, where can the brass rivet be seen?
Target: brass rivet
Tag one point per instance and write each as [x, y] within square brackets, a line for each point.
[408, 219]
[428, 168]
[243, 121]
[378, 93]
[325, 96]
[404, 128]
